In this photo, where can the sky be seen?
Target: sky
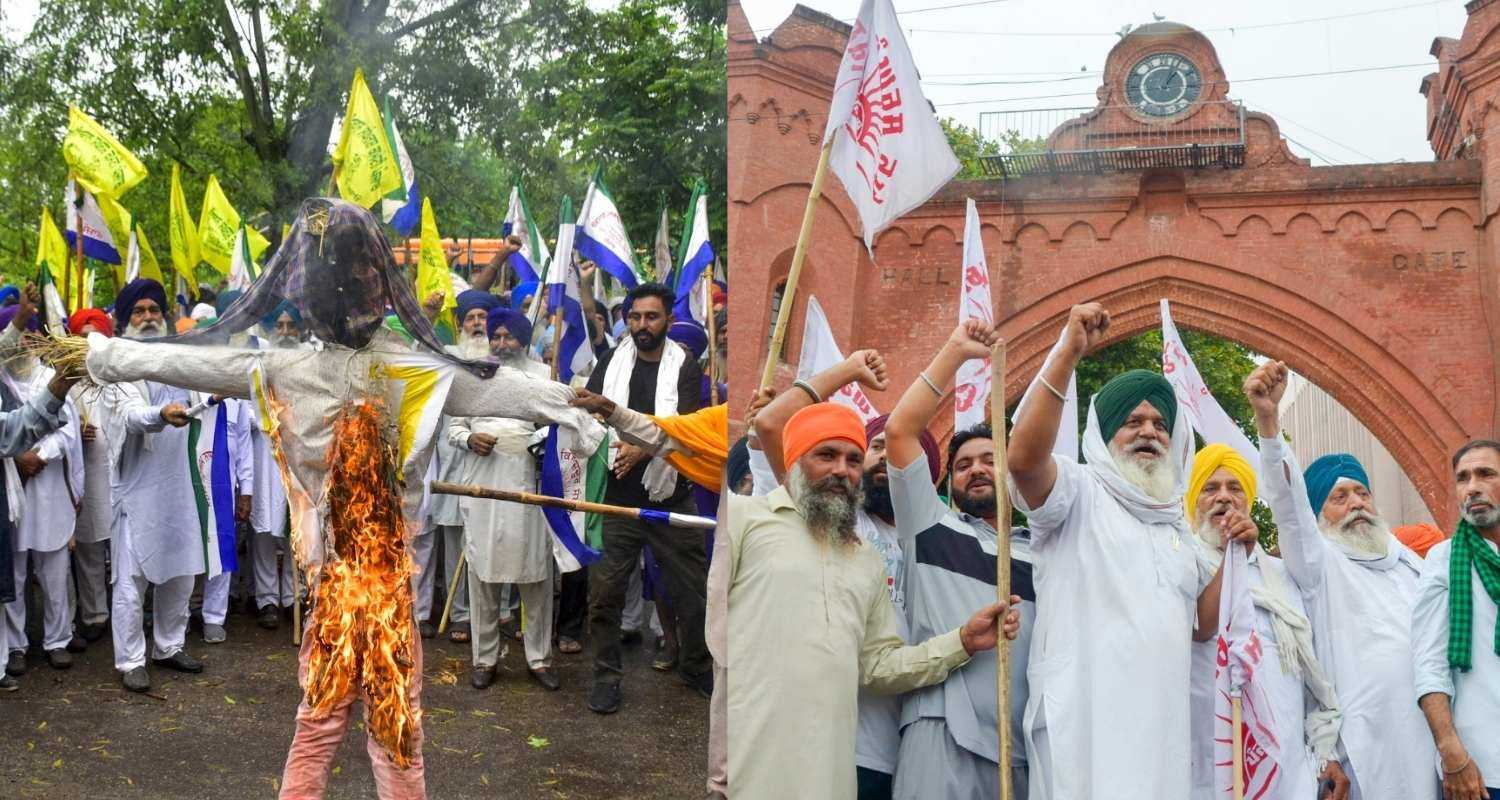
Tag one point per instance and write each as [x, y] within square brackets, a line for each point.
[1372, 115]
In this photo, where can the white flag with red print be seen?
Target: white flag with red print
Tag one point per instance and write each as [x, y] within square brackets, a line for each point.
[888, 149]
[819, 352]
[971, 386]
[1238, 664]
[1193, 396]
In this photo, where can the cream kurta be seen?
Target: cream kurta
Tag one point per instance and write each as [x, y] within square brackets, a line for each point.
[504, 542]
[308, 389]
[810, 623]
[52, 495]
[1361, 612]
[94, 513]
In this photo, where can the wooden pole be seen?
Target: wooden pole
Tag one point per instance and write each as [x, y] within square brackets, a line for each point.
[556, 331]
[1239, 745]
[713, 338]
[1002, 560]
[673, 519]
[789, 294]
[452, 587]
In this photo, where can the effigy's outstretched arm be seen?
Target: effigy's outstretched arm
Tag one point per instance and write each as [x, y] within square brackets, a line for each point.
[508, 394]
[213, 370]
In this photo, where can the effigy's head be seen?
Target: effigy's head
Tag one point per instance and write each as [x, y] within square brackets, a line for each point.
[337, 269]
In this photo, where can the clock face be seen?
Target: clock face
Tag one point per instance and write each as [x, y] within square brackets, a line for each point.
[1163, 84]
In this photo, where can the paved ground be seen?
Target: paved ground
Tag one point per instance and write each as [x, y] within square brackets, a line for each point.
[224, 733]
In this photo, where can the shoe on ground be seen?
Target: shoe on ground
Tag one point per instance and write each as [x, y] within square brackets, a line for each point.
[548, 679]
[510, 628]
[604, 698]
[569, 646]
[665, 662]
[459, 633]
[137, 680]
[8, 684]
[15, 663]
[77, 644]
[481, 677]
[92, 633]
[59, 658]
[214, 634]
[702, 684]
[268, 618]
[180, 661]
[426, 630]
[630, 638]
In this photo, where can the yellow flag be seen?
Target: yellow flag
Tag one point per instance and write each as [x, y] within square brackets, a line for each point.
[258, 243]
[432, 264]
[364, 164]
[217, 225]
[149, 266]
[52, 250]
[183, 234]
[101, 164]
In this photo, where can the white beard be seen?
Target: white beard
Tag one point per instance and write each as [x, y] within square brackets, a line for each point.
[1369, 539]
[1209, 533]
[1156, 478]
[133, 331]
[285, 342]
[829, 517]
[474, 347]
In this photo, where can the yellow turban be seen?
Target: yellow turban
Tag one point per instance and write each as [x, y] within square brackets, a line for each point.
[1208, 460]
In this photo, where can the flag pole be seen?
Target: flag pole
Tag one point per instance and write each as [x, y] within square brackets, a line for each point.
[1002, 559]
[291, 564]
[789, 294]
[713, 339]
[458, 569]
[1239, 745]
[555, 324]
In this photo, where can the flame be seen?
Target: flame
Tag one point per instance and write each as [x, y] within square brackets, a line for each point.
[363, 640]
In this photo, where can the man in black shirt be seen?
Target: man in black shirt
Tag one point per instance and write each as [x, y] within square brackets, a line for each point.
[650, 374]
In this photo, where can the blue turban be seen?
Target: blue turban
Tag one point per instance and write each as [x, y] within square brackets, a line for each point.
[689, 334]
[284, 307]
[470, 299]
[522, 291]
[514, 322]
[135, 291]
[9, 295]
[1321, 475]
[224, 300]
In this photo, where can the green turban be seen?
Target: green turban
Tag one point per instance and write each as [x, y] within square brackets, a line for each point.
[1120, 396]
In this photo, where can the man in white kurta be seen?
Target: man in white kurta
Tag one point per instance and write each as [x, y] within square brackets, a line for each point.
[812, 620]
[1117, 583]
[1301, 703]
[91, 532]
[156, 539]
[1458, 688]
[268, 504]
[44, 485]
[1358, 592]
[507, 543]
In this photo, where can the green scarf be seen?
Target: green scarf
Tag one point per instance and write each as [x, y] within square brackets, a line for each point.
[1468, 549]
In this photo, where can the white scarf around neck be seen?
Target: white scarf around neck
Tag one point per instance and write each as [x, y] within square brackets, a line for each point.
[660, 479]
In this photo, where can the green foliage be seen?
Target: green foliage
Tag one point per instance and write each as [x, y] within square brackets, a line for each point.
[486, 92]
[971, 148]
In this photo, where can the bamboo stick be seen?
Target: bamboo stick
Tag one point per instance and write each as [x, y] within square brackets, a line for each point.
[1002, 560]
[789, 294]
[672, 518]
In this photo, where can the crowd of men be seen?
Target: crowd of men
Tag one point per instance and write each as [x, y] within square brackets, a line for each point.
[109, 502]
[1382, 676]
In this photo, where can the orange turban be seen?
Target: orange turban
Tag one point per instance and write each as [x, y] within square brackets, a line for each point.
[90, 316]
[1420, 537]
[816, 423]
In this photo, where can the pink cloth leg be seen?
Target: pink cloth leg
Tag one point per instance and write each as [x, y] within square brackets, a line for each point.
[402, 784]
[316, 741]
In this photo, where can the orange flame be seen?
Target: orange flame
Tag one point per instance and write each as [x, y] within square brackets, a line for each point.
[363, 639]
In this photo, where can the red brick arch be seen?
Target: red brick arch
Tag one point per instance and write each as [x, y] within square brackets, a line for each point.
[1403, 413]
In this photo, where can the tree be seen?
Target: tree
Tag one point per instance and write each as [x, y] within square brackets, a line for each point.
[488, 91]
[971, 148]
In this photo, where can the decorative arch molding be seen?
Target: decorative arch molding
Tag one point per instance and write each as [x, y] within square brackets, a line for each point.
[1398, 409]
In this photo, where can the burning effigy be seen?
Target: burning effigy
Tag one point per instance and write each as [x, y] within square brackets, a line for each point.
[353, 424]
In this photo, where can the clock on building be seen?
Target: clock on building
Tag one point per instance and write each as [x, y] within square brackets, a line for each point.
[1163, 84]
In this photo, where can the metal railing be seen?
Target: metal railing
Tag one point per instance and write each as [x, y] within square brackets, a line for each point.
[1101, 139]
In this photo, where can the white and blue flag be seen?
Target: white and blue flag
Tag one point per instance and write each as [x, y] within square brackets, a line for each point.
[532, 257]
[402, 209]
[575, 356]
[696, 262]
[601, 236]
[97, 241]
